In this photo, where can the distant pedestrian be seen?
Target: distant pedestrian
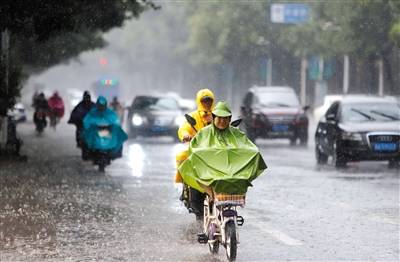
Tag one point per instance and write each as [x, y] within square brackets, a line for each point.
[117, 108]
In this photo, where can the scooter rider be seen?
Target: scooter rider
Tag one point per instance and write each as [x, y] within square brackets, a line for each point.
[41, 102]
[102, 116]
[56, 106]
[78, 114]
[192, 198]
[41, 106]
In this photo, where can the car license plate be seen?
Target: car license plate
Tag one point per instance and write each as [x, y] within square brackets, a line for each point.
[280, 128]
[385, 147]
[161, 121]
[104, 133]
[158, 128]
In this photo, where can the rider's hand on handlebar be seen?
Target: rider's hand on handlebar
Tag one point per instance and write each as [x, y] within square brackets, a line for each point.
[186, 138]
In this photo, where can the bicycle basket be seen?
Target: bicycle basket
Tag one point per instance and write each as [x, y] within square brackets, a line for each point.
[232, 200]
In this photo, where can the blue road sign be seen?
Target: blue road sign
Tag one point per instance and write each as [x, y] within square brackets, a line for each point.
[290, 13]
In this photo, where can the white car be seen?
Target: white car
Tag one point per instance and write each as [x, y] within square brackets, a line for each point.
[18, 113]
[186, 105]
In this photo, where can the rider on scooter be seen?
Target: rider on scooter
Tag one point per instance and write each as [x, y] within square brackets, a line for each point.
[102, 132]
[192, 198]
[56, 108]
[78, 114]
[41, 107]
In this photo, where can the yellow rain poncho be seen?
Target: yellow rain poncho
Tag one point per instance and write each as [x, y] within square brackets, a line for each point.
[199, 115]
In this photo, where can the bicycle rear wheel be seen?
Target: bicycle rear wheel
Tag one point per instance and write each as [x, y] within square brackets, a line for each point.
[231, 241]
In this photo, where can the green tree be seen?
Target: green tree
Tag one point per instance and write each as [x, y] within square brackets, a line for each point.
[43, 33]
[364, 29]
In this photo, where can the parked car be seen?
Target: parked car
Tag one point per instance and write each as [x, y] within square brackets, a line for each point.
[274, 112]
[154, 116]
[17, 113]
[359, 128]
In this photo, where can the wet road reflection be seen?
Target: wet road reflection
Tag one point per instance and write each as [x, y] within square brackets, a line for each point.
[136, 157]
[58, 208]
[25, 220]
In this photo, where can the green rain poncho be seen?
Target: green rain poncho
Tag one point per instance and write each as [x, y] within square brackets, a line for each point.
[226, 160]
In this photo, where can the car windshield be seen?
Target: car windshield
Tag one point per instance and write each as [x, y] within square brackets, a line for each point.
[276, 99]
[362, 112]
[155, 103]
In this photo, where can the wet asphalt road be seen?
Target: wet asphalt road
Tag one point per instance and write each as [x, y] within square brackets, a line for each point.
[57, 208]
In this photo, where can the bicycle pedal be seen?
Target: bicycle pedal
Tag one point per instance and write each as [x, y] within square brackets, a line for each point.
[240, 220]
[202, 238]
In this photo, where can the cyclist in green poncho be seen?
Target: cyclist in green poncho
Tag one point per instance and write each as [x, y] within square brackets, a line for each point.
[221, 157]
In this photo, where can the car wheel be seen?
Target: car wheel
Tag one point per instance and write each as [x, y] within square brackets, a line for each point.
[338, 158]
[394, 163]
[293, 140]
[132, 134]
[322, 158]
[304, 140]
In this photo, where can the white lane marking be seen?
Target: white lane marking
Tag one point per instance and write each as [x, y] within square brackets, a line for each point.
[268, 229]
[383, 219]
[342, 205]
[282, 237]
[373, 217]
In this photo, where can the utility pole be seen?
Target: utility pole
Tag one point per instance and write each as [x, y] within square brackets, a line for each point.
[303, 81]
[380, 87]
[269, 72]
[346, 74]
[5, 44]
[321, 87]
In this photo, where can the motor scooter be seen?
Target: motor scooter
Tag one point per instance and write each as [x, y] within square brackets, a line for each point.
[40, 121]
[55, 114]
[104, 152]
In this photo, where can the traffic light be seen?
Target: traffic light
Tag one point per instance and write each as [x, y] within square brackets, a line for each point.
[103, 61]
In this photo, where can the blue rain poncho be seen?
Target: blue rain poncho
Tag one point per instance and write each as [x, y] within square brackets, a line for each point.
[96, 118]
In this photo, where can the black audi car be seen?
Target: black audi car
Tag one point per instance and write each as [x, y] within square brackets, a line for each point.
[154, 116]
[274, 112]
[359, 128]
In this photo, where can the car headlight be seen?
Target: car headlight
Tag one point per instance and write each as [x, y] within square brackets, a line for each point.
[179, 120]
[137, 120]
[351, 136]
